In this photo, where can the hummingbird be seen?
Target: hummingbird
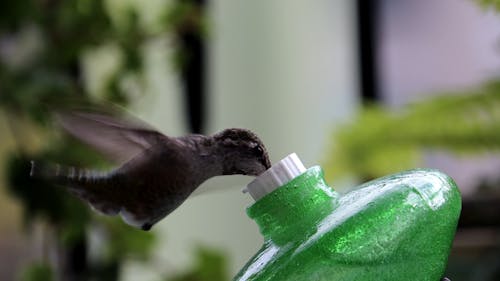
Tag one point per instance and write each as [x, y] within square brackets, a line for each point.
[155, 173]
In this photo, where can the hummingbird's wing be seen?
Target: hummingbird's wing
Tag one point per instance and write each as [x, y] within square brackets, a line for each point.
[118, 139]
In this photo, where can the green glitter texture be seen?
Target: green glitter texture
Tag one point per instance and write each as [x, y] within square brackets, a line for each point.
[399, 227]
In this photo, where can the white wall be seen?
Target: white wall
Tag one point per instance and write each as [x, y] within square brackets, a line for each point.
[430, 46]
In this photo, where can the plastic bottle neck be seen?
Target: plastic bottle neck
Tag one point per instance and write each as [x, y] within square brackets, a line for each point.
[293, 211]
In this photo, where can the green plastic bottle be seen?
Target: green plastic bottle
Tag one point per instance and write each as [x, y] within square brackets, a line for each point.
[399, 227]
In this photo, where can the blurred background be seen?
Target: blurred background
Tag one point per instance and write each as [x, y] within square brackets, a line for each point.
[363, 88]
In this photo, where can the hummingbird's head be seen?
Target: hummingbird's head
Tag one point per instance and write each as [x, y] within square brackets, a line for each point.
[242, 152]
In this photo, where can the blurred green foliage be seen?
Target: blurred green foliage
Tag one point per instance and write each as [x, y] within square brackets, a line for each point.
[40, 70]
[490, 3]
[136, 243]
[210, 265]
[43, 45]
[37, 272]
[381, 141]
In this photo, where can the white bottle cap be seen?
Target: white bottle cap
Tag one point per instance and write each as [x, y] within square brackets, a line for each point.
[279, 174]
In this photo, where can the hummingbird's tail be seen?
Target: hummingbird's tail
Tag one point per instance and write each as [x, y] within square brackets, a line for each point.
[65, 175]
[92, 186]
[39, 171]
[43, 171]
